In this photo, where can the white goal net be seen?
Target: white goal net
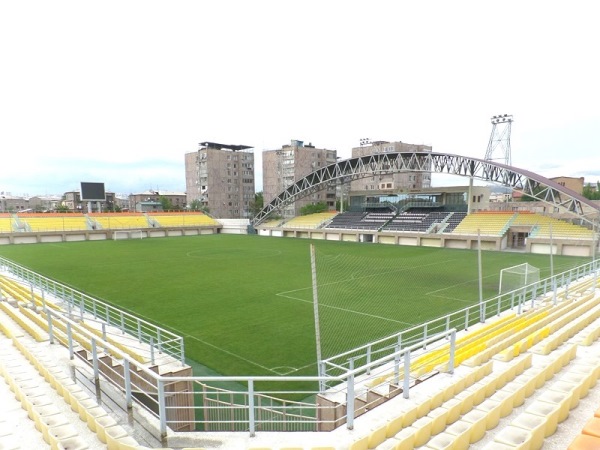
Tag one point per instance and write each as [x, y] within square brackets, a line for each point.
[517, 277]
[128, 234]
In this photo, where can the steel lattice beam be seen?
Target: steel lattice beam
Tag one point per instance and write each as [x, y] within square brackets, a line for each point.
[532, 184]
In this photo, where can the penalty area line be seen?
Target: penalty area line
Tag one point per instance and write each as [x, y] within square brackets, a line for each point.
[282, 294]
[216, 347]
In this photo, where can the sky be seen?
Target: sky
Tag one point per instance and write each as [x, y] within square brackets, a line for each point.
[119, 91]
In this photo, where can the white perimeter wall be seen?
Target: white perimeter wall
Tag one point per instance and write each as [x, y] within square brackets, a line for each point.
[234, 226]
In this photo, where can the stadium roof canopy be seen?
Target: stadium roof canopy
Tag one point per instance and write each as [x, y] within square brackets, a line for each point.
[344, 171]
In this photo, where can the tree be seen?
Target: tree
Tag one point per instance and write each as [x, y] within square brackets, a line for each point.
[313, 208]
[196, 205]
[257, 204]
[166, 203]
[592, 192]
[529, 198]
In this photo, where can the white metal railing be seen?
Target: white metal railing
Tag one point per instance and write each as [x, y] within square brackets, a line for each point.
[199, 404]
[460, 320]
[76, 302]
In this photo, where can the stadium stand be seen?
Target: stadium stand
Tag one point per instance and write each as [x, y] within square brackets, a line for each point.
[416, 222]
[63, 413]
[272, 223]
[486, 223]
[361, 220]
[310, 220]
[542, 226]
[177, 219]
[5, 223]
[51, 397]
[453, 221]
[516, 398]
[346, 220]
[120, 220]
[53, 222]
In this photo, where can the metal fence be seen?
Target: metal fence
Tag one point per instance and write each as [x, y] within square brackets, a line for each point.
[461, 319]
[187, 403]
[76, 302]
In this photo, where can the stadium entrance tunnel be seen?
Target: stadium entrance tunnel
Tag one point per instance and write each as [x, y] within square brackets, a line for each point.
[345, 171]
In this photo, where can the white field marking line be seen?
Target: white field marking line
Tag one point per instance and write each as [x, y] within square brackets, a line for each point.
[343, 309]
[432, 293]
[282, 294]
[232, 354]
[213, 346]
[306, 366]
[284, 370]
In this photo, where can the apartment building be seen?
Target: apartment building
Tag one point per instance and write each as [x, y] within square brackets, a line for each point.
[150, 200]
[221, 177]
[283, 167]
[396, 182]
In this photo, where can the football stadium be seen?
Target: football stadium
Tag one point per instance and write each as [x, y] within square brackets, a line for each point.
[400, 324]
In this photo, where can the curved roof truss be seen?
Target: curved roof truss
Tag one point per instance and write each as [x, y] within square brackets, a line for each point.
[532, 184]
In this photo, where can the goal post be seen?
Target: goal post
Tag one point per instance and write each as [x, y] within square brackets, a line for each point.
[128, 234]
[518, 277]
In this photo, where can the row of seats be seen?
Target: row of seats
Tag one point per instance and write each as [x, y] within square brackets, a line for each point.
[310, 220]
[346, 220]
[484, 223]
[72, 222]
[453, 221]
[468, 413]
[38, 380]
[66, 222]
[183, 220]
[33, 329]
[387, 221]
[57, 427]
[544, 226]
[577, 317]
[20, 293]
[477, 346]
[5, 225]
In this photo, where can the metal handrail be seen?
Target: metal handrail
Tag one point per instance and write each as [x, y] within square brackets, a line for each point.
[163, 340]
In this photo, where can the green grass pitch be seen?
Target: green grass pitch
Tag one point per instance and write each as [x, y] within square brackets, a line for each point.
[244, 303]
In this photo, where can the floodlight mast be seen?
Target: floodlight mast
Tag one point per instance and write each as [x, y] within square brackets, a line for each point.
[499, 145]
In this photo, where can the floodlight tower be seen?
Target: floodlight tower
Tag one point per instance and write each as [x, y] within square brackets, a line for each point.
[499, 144]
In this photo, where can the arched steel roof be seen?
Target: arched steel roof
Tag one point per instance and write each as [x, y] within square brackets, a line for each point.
[532, 184]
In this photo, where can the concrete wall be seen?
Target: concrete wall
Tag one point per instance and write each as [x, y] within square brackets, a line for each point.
[496, 243]
[99, 235]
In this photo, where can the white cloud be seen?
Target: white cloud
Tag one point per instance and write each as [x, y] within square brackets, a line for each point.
[117, 86]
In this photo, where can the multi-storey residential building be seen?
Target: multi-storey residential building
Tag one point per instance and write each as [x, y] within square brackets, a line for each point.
[284, 166]
[396, 182]
[221, 177]
[573, 183]
[41, 203]
[152, 197]
[10, 203]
